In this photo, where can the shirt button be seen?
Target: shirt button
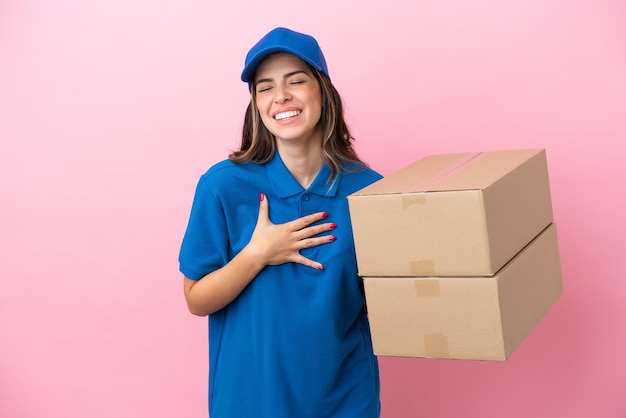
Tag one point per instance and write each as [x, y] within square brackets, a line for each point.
[306, 197]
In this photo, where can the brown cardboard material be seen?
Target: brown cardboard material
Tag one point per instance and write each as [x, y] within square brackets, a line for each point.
[472, 318]
[451, 214]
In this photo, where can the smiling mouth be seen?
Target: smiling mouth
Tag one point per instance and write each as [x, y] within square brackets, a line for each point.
[286, 115]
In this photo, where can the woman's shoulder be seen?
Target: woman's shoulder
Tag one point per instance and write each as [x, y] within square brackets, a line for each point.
[361, 170]
[227, 174]
[228, 168]
[356, 176]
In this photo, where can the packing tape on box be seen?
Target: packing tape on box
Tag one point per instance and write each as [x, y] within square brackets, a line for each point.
[436, 346]
[427, 184]
[427, 288]
[422, 268]
[409, 200]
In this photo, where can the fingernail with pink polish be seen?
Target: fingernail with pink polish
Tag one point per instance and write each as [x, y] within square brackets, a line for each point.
[332, 238]
[261, 197]
[324, 215]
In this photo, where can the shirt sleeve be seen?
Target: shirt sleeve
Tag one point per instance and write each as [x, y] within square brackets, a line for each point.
[205, 244]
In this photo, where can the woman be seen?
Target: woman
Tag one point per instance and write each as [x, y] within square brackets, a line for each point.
[268, 253]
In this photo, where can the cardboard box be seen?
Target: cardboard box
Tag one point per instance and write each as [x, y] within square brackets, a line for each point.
[451, 214]
[474, 318]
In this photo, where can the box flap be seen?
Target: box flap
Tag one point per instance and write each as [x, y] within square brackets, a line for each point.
[448, 172]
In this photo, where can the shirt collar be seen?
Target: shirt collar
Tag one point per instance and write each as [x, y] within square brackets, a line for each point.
[286, 185]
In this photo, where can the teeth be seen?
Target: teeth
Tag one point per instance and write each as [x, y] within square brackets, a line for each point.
[286, 115]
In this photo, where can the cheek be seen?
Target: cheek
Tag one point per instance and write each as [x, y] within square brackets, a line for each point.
[263, 112]
[318, 111]
[266, 120]
[316, 101]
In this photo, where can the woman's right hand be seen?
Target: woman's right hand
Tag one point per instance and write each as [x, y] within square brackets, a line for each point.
[270, 244]
[281, 243]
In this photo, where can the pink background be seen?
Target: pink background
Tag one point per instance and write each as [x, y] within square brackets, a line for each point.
[110, 110]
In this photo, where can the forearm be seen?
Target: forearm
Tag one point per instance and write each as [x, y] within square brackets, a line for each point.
[220, 287]
[269, 245]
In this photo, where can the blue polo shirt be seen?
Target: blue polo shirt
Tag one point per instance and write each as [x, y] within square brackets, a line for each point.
[295, 343]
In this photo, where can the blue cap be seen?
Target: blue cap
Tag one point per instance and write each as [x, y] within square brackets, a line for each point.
[301, 45]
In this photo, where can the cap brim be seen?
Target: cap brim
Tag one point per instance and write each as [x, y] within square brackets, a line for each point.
[250, 69]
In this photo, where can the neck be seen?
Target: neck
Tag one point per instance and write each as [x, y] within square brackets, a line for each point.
[303, 162]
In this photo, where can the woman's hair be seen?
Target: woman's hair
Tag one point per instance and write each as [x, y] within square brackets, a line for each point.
[258, 144]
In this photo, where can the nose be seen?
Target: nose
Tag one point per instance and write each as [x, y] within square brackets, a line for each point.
[282, 95]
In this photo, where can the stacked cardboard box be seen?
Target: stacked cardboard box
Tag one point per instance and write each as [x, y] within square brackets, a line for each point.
[458, 253]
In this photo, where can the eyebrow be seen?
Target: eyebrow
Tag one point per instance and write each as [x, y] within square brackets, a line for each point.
[267, 80]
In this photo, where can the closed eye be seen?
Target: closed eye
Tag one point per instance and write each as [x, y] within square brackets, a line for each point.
[262, 88]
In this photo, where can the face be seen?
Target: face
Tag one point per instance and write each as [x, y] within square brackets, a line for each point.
[289, 98]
